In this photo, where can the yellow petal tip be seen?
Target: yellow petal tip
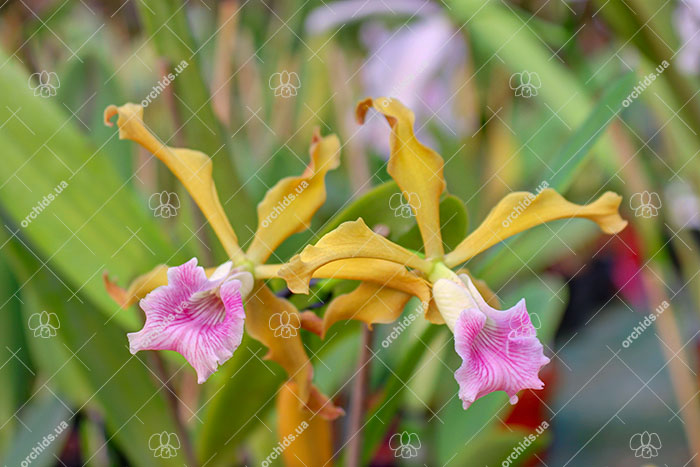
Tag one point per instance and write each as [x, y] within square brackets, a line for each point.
[110, 112]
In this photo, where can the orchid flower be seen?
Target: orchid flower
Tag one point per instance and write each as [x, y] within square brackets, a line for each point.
[200, 313]
[499, 348]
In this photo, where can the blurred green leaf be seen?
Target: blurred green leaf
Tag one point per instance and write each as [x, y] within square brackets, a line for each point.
[64, 195]
[91, 441]
[568, 163]
[51, 357]
[15, 363]
[86, 89]
[379, 207]
[493, 445]
[505, 34]
[571, 157]
[42, 433]
[375, 207]
[247, 389]
[453, 226]
[379, 417]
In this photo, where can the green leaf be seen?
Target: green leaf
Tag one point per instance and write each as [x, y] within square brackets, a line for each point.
[63, 193]
[453, 226]
[534, 250]
[86, 89]
[493, 445]
[42, 433]
[380, 416]
[460, 428]
[375, 207]
[378, 207]
[570, 158]
[16, 368]
[567, 163]
[502, 33]
[92, 437]
[246, 390]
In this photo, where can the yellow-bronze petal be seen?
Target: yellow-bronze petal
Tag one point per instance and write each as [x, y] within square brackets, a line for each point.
[276, 323]
[289, 206]
[416, 168]
[522, 210]
[192, 168]
[349, 240]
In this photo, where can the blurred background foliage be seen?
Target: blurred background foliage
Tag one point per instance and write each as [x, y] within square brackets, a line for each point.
[459, 65]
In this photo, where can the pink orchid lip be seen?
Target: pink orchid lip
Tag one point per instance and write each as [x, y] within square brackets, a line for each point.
[499, 348]
[200, 318]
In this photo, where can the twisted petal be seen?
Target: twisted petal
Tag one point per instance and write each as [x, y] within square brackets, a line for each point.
[380, 298]
[523, 210]
[192, 168]
[499, 348]
[289, 206]
[370, 303]
[416, 168]
[349, 240]
[200, 318]
[310, 431]
[285, 348]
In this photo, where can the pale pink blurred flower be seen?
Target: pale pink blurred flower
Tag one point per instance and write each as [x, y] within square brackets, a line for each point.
[414, 62]
[687, 21]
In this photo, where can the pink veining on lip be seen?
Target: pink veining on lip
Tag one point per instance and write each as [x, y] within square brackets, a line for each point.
[499, 348]
[201, 318]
